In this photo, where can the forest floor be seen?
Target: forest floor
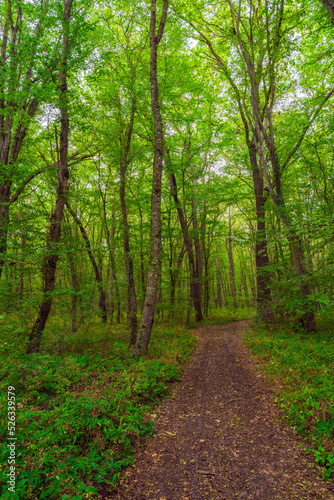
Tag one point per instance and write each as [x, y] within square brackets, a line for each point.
[220, 435]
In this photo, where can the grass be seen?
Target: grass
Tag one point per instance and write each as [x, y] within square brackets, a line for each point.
[303, 366]
[226, 315]
[81, 404]
[83, 401]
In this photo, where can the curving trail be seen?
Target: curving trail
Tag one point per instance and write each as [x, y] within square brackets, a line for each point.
[219, 436]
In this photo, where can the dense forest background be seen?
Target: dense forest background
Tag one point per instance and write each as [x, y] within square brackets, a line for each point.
[160, 161]
[237, 209]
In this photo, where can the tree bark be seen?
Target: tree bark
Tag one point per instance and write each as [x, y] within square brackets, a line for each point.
[75, 289]
[110, 294]
[98, 274]
[155, 254]
[113, 267]
[219, 296]
[132, 299]
[194, 283]
[174, 273]
[307, 319]
[264, 311]
[17, 104]
[329, 5]
[51, 258]
[206, 254]
[142, 264]
[195, 235]
[243, 278]
[229, 248]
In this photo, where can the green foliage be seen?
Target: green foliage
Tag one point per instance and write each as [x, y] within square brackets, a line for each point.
[223, 316]
[78, 414]
[303, 365]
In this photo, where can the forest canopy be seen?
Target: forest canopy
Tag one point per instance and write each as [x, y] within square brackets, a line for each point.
[162, 159]
[164, 164]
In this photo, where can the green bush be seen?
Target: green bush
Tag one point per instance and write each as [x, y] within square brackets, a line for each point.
[79, 412]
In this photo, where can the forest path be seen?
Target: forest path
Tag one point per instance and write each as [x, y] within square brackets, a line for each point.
[219, 436]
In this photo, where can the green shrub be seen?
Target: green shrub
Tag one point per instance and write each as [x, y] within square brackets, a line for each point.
[79, 411]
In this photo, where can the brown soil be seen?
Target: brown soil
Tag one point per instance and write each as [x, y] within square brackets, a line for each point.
[220, 436]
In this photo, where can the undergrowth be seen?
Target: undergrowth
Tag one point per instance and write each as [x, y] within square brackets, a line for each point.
[303, 366]
[81, 404]
[227, 315]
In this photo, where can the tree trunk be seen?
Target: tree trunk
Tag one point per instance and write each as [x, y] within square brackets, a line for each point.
[243, 278]
[155, 254]
[142, 266]
[228, 243]
[261, 252]
[51, 258]
[195, 235]
[307, 319]
[110, 295]
[132, 299]
[110, 237]
[173, 278]
[17, 100]
[194, 283]
[198, 251]
[4, 222]
[329, 5]
[219, 296]
[113, 268]
[75, 289]
[21, 265]
[98, 274]
[206, 252]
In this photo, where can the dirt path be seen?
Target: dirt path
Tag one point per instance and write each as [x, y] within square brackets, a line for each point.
[219, 436]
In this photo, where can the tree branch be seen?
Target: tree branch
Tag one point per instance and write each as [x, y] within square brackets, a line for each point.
[305, 129]
[162, 22]
[20, 190]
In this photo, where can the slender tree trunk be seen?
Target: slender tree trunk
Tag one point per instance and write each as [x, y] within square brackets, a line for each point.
[110, 237]
[75, 289]
[142, 265]
[206, 251]
[195, 235]
[132, 299]
[113, 270]
[15, 115]
[110, 296]
[21, 265]
[229, 248]
[155, 255]
[4, 222]
[194, 283]
[51, 258]
[223, 285]
[243, 273]
[206, 286]
[189, 303]
[173, 277]
[111, 245]
[98, 274]
[198, 251]
[261, 253]
[307, 319]
[219, 297]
